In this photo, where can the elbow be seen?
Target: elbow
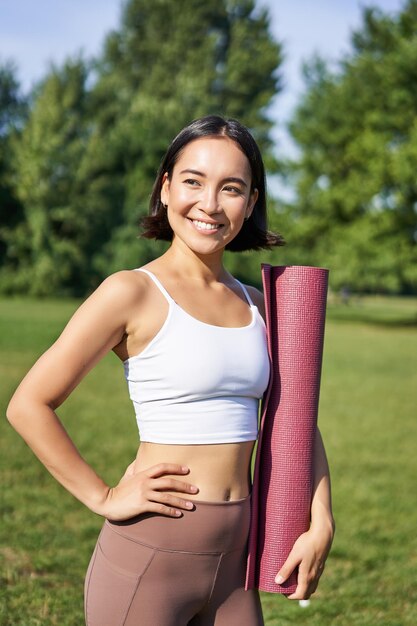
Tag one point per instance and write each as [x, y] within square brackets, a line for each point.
[11, 412]
[23, 408]
[15, 410]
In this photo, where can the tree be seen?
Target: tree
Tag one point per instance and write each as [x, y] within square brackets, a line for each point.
[356, 128]
[12, 114]
[49, 243]
[169, 63]
[85, 161]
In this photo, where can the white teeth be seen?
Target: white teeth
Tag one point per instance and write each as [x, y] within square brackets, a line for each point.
[205, 226]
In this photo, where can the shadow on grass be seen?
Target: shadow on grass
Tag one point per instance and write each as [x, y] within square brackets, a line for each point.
[384, 311]
[366, 317]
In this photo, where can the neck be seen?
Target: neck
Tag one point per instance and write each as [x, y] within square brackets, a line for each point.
[191, 265]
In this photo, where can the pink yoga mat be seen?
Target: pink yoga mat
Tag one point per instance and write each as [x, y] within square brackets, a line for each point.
[295, 299]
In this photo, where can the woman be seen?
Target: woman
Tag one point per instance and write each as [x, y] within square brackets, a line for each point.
[172, 549]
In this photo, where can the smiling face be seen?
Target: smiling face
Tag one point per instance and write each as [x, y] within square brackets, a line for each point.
[209, 194]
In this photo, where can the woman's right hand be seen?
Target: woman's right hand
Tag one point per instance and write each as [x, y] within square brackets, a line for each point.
[147, 492]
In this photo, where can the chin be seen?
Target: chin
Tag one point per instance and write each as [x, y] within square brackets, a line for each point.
[201, 247]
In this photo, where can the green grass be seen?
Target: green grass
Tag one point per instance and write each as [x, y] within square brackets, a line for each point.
[368, 421]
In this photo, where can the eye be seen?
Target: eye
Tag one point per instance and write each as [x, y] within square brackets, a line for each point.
[231, 189]
[191, 181]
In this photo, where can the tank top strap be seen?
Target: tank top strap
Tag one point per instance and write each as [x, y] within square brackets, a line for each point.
[245, 291]
[157, 283]
[170, 299]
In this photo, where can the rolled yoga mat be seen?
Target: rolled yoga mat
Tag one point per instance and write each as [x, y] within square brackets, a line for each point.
[295, 300]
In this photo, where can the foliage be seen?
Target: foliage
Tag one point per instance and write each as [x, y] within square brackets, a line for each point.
[84, 163]
[48, 243]
[12, 114]
[79, 157]
[168, 64]
[356, 128]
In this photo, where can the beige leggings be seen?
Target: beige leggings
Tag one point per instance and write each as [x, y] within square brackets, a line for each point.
[161, 571]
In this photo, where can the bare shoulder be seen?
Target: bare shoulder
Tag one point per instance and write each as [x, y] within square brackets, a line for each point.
[121, 288]
[111, 305]
[258, 298]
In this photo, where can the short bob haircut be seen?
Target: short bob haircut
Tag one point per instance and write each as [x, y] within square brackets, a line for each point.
[254, 234]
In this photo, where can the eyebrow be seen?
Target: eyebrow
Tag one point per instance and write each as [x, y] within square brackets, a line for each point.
[229, 179]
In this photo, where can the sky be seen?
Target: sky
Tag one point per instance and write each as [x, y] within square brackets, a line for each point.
[35, 32]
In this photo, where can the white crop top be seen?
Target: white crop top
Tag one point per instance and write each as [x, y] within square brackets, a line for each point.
[196, 383]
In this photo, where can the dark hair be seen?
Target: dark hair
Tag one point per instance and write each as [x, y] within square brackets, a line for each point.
[253, 234]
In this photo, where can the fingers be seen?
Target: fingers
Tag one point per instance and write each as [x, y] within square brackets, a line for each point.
[170, 501]
[150, 491]
[310, 560]
[166, 468]
[287, 569]
[161, 509]
[161, 502]
[160, 483]
[307, 583]
[161, 487]
[302, 592]
[171, 484]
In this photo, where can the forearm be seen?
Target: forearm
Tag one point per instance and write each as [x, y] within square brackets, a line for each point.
[321, 505]
[44, 433]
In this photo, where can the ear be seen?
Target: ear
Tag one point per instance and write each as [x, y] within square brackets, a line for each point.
[251, 203]
[165, 188]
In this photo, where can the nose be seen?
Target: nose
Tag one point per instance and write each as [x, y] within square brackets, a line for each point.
[209, 202]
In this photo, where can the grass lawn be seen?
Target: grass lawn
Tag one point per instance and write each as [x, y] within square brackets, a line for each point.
[369, 425]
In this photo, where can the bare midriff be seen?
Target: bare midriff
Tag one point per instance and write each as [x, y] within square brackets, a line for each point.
[220, 471]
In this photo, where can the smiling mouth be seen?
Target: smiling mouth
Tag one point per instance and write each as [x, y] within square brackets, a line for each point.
[200, 225]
